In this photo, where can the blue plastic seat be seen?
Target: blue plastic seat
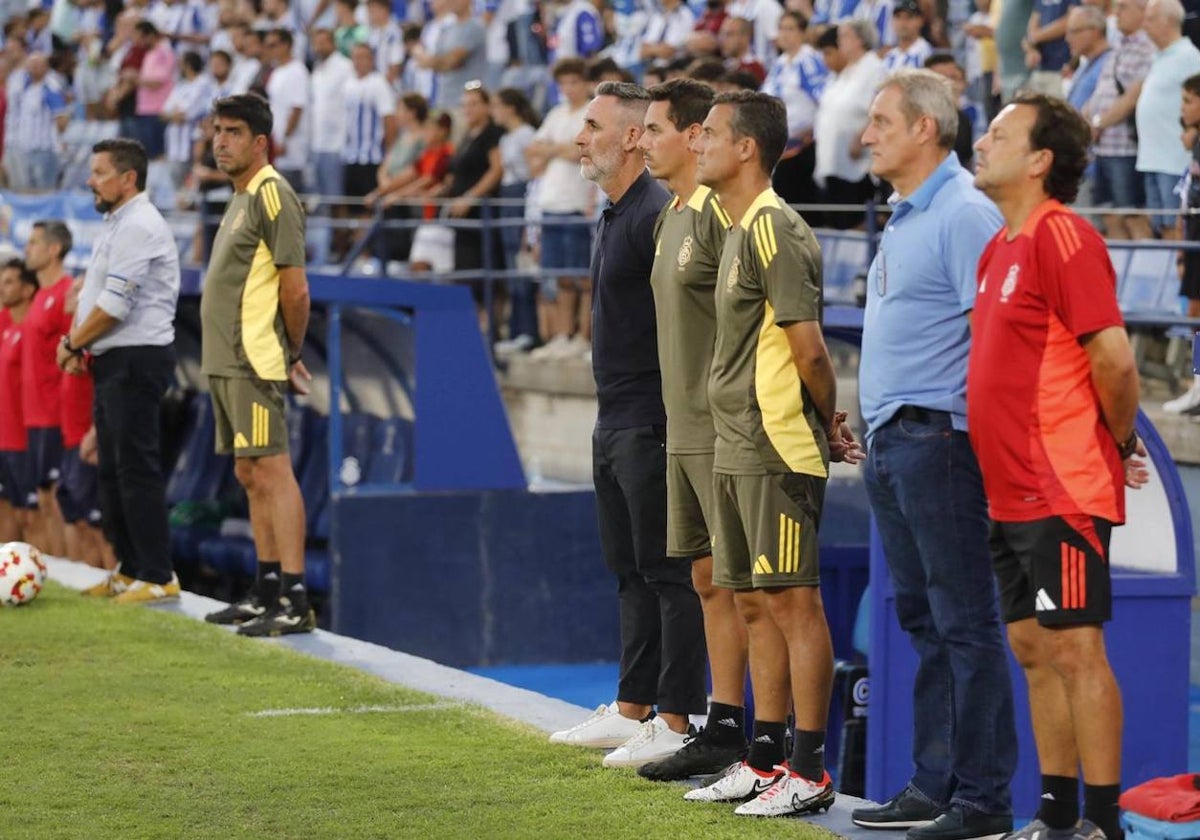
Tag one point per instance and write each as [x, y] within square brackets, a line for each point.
[199, 471]
[1148, 280]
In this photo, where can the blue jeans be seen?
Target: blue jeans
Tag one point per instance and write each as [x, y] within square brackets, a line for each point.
[523, 304]
[41, 170]
[927, 496]
[329, 171]
[1160, 195]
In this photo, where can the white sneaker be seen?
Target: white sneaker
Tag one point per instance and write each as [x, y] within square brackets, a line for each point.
[512, 346]
[605, 729]
[577, 348]
[1188, 403]
[654, 741]
[736, 783]
[552, 349]
[792, 794]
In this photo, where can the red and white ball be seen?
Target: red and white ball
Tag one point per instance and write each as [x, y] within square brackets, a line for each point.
[22, 573]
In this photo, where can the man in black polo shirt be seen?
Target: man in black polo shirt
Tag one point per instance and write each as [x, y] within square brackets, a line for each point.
[662, 626]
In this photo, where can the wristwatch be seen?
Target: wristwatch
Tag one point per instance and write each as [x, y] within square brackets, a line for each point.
[1096, 121]
[70, 348]
[1129, 446]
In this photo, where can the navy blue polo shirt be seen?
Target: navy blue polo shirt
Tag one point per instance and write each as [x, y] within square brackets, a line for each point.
[624, 338]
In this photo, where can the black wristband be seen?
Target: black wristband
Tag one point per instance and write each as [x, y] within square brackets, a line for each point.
[1129, 446]
[70, 348]
[294, 357]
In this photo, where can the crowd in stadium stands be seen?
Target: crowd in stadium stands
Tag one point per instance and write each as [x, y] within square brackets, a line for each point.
[381, 105]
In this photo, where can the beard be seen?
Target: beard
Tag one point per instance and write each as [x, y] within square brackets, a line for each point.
[101, 205]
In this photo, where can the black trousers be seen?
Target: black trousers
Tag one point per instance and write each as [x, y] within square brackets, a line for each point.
[130, 384]
[662, 626]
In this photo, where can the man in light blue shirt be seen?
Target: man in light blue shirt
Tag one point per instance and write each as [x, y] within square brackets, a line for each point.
[922, 478]
[1161, 158]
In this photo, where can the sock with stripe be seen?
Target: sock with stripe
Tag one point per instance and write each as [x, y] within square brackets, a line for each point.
[808, 754]
[292, 588]
[266, 582]
[1059, 807]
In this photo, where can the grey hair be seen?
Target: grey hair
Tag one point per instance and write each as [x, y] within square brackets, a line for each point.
[1173, 9]
[634, 99]
[865, 30]
[1092, 17]
[926, 93]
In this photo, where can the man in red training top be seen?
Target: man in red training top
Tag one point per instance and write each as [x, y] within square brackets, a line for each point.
[49, 243]
[18, 285]
[1052, 393]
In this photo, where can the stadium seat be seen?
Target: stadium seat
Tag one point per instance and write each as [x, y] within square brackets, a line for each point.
[199, 472]
[846, 259]
[1147, 281]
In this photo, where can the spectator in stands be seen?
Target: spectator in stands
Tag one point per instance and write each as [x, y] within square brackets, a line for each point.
[431, 249]
[1115, 181]
[1160, 158]
[288, 94]
[797, 77]
[564, 201]
[188, 103]
[252, 359]
[981, 59]
[398, 169]
[331, 74]
[878, 13]
[662, 626]
[18, 285]
[182, 24]
[944, 65]
[667, 32]
[1045, 45]
[1189, 287]
[155, 79]
[213, 187]
[627, 25]
[763, 16]
[460, 55]
[386, 40]
[843, 169]
[126, 320]
[922, 280]
[911, 48]
[578, 30]
[349, 31]
[474, 176]
[38, 37]
[39, 114]
[1090, 53]
[281, 14]
[735, 39]
[369, 126]
[220, 68]
[94, 74]
[514, 114]
[248, 63]
[712, 17]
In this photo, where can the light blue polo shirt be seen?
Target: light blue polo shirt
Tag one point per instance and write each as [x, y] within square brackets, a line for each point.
[920, 286]
[1159, 149]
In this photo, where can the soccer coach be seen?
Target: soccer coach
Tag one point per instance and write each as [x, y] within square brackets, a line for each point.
[126, 320]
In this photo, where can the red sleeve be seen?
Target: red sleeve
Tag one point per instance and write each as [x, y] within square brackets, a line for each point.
[1077, 275]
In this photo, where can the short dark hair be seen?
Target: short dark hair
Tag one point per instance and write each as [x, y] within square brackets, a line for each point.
[418, 104]
[28, 275]
[937, 59]
[687, 101]
[145, 27]
[1192, 84]
[706, 70]
[741, 79]
[250, 108]
[192, 60]
[58, 233]
[569, 67]
[126, 155]
[798, 17]
[284, 35]
[222, 54]
[1063, 131]
[597, 67]
[828, 38]
[762, 118]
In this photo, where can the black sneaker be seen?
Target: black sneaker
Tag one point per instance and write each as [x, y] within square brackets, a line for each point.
[907, 809]
[959, 823]
[700, 756]
[285, 617]
[239, 612]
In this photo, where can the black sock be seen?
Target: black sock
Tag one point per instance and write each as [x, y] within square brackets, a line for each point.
[1059, 806]
[766, 747]
[292, 588]
[266, 581]
[808, 754]
[1100, 806]
[726, 724]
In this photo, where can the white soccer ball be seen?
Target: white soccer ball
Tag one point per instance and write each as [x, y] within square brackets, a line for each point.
[22, 573]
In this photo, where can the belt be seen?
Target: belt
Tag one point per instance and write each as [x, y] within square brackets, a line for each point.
[916, 414]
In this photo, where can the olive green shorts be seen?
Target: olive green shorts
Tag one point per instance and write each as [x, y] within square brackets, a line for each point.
[250, 414]
[689, 505]
[765, 530]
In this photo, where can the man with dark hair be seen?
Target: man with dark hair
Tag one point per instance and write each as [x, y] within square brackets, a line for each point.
[921, 476]
[1047, 303]
[155, 80]
[773, 396]
[288, 92]
[49, 243]
[251, 355]
[18, 285]
[662, 626]
[689, 235]
[125, 320]
[944, 64]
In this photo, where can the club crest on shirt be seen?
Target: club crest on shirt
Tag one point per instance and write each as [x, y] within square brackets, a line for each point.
[239, 218]
[1010, 283]
[685, 251]
[731, 279]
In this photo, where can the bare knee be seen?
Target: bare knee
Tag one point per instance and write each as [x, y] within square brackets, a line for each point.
[751, 607]
[795, 606]
[1076, 651]
[245, 472]
[1024, 639]
[702, 582]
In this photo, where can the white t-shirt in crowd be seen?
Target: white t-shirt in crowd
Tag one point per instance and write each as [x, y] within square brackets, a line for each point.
[287, 89]
[562, 188]
[329, 79]
[842, 117]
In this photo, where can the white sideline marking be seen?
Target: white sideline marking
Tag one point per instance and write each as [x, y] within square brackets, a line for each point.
[353, 710]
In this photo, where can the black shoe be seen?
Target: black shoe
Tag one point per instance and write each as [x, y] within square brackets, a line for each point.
[239, 612]
[907, 809]
[285, 617]
[700, 756]
[959, 823]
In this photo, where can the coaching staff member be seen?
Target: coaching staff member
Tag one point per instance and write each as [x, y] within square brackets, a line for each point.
[662, 626]
[126, 320]
[1054, 394]
[254, 314]
[921, 475]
